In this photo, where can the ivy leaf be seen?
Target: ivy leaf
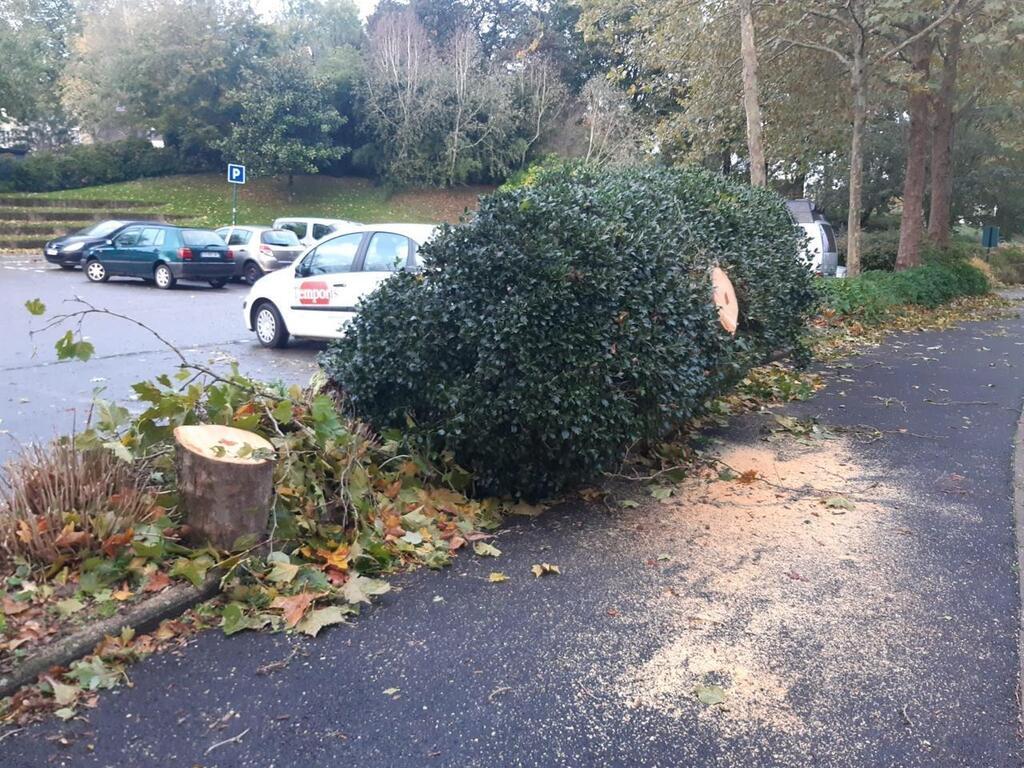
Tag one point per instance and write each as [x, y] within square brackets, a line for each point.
[192, 569]
[711, 695]
[323, 617]
[483, 549]
[283, 573]
[69, 607]
[35, 307]
[234, 619]
[359, 589]
[94, 674]
[65, 695]
[839, 503]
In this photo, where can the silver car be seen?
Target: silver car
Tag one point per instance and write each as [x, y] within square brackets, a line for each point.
[259, 250]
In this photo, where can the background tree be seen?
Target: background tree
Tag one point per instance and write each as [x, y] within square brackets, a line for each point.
[286, 124]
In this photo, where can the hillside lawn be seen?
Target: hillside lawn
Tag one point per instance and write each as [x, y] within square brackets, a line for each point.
[206, 199]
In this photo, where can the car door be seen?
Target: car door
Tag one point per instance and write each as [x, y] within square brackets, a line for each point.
[322, 295]
[117, 257]
[385, 254]
[140, 257]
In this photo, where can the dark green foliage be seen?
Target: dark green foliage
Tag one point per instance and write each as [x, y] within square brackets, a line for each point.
[879, 249]
[86, 165]
[571, 318]
[874, 294]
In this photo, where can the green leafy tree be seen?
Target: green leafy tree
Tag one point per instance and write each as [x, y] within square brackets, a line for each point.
[286, 123]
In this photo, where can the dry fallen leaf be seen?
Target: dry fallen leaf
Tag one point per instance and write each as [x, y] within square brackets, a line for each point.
[496, 577]
[293, 607]
[544, 569]
[158, 581]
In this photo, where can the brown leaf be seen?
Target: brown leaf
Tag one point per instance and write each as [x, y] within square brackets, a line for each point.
[71, 539]
[157, 582]
[747, 477]
[12, 607]
[294, 607]
[114, 543]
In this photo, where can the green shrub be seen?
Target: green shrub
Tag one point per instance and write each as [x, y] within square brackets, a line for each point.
[86, 165]
[571, 318]
[872, 295]
[1007, 263]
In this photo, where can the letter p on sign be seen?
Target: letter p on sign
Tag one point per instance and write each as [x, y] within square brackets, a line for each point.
[236, 174]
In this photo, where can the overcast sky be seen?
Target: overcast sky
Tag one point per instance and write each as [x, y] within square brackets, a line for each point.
[268, 7]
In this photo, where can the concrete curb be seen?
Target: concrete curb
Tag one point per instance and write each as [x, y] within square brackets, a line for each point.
[1018, 515]
[142, 617]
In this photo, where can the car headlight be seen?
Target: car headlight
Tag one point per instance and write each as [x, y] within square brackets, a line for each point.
[72, 248]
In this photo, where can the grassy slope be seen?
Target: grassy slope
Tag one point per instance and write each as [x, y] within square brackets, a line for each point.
[206, 198]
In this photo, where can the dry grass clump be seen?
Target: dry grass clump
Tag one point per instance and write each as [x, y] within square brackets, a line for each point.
[57, 499]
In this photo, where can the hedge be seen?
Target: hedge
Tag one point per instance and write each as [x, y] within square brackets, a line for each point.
[872, 295]
[86, 165]
[572, 317]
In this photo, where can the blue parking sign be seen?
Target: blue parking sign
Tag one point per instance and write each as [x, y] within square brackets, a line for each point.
[236, 174]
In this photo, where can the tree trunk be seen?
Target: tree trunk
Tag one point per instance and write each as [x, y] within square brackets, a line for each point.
[226, 490]
[751, 100]
[915, 178]
[939, 216]
[859, 92]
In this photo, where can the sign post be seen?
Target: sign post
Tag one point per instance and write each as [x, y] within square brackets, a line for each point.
[236, 176]
[989, 238]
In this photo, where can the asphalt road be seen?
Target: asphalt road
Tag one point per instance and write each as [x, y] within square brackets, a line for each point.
[450, 670]
[41, 396]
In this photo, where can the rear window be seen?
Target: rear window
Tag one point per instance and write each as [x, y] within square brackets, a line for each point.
[199, 238]
[279, 237]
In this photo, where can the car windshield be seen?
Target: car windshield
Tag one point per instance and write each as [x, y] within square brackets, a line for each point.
[101, 229]
[200, 238]
[279, 237]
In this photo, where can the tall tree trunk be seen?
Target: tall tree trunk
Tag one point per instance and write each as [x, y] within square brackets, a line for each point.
[859, 93]
[942, 141]
[751, 100]
[915, 178]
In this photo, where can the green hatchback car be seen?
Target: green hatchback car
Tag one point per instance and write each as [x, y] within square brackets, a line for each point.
[162, 254]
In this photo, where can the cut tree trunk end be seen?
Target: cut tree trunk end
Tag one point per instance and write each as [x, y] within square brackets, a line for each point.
[226, 482]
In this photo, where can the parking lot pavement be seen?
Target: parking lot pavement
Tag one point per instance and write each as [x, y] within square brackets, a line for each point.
[41, 396]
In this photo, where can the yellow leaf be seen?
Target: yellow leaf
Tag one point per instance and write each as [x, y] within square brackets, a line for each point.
[337, 558]
[122, 594]
[544, 569]
[497, 577]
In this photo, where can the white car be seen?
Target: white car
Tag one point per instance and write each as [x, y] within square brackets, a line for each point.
[315, 297]
[821, 252]
[310, 231]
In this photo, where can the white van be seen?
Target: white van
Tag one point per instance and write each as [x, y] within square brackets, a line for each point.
[309, 230]
[822, 252]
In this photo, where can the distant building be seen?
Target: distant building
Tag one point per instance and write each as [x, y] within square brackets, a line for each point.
[13, 136]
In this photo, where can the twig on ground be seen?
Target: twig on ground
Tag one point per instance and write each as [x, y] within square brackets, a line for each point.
[233, 740]
[906, 717]
[497, 692]
[11, 733]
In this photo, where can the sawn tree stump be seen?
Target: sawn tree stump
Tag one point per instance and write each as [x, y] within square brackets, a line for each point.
[226, 491]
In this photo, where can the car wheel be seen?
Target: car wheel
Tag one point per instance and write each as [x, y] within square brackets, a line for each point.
[252, 272]
[219, 283]
[96, 272]
[269, 325]
[163, 277]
